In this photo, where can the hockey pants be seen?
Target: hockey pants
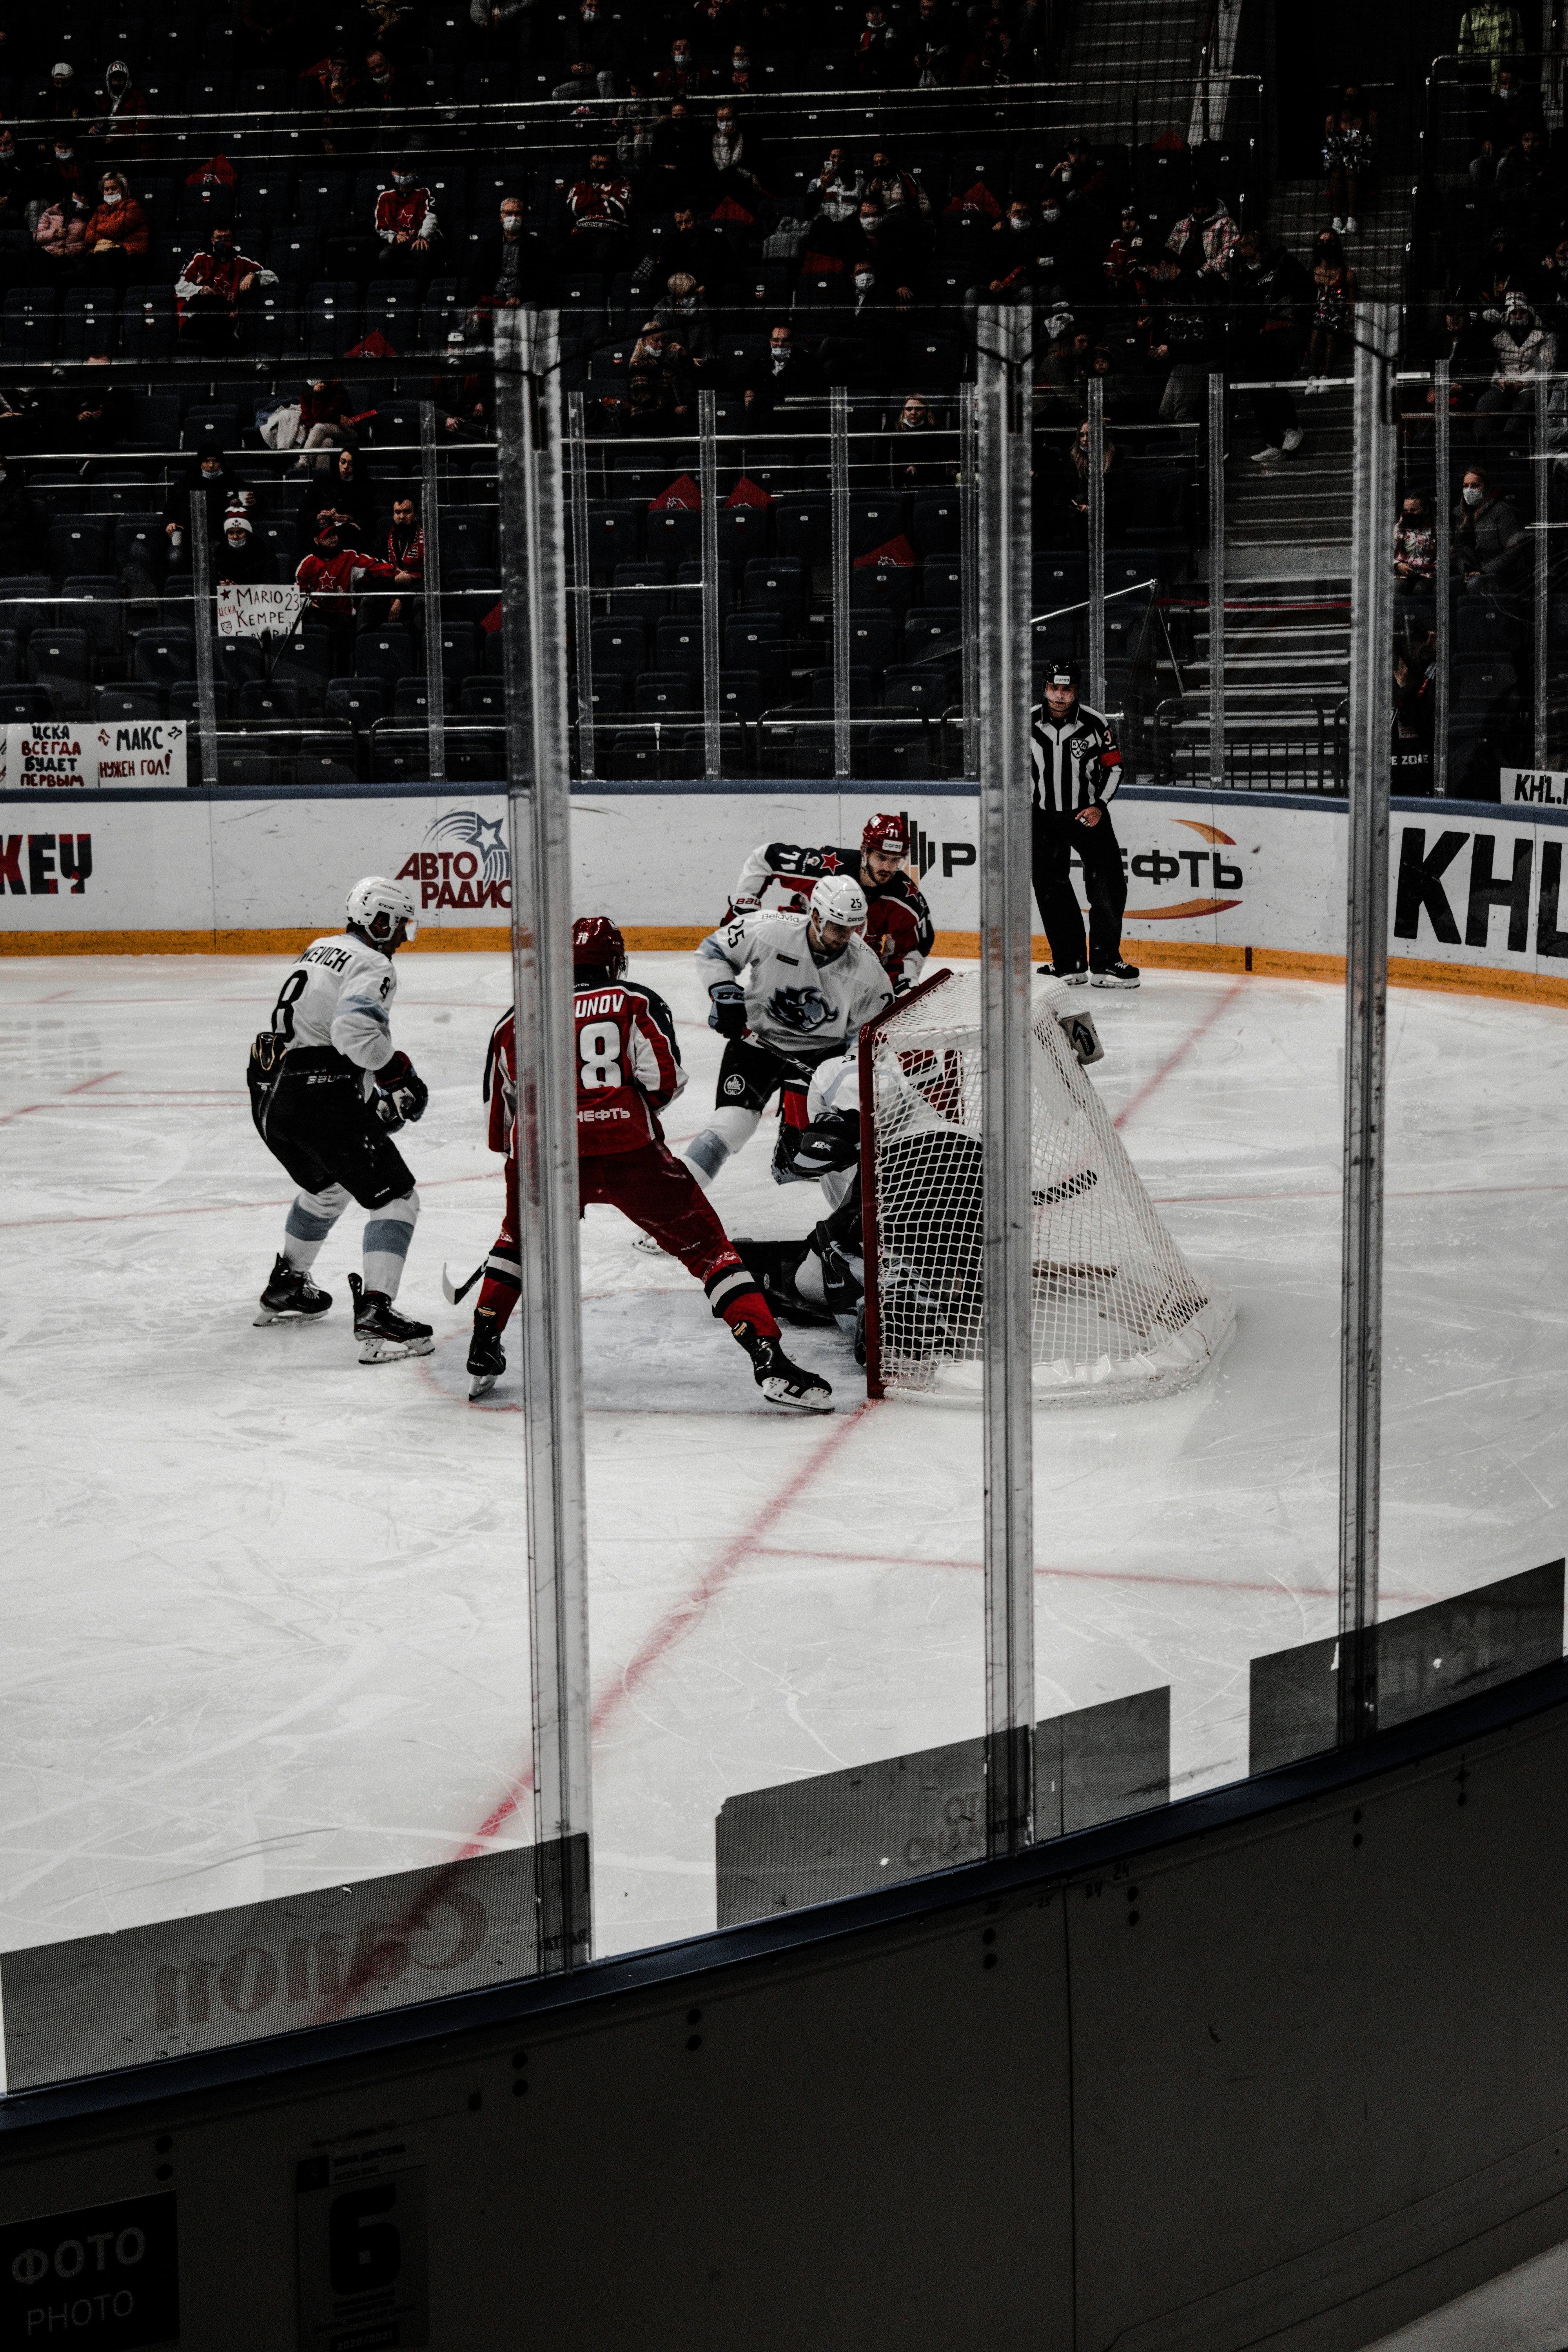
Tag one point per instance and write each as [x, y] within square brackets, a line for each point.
[659, 1193]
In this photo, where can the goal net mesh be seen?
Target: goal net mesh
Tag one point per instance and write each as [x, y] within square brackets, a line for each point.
[1116, 1304]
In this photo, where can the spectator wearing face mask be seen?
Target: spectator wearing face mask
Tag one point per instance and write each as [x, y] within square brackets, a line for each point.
[1510, 109]
[60, 110]
[893, 249]
[212, 289]
[1067, 246]
[115, 232]
[736, 160]
[1414, 548]
[344, 587]
[60, 185]
[659, 386]
[919, 454]
[599, 208]
[1490, 545]
[1015, 257]
[878, 55]
[511, 263]
[405, 225]
[682, 76]
[897, 191]
[120, 114]
[391, 86]
[683, 312]
[240, 561]
[1489, 31]
[784, 372]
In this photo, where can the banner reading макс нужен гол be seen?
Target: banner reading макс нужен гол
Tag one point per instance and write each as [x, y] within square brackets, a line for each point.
[54, 755]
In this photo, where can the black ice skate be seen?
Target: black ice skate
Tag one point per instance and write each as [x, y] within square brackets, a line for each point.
[1075, 974]
[1119, 974]
[487, 1359]
[781, 1381]
[383, 1333]
[291, 1295]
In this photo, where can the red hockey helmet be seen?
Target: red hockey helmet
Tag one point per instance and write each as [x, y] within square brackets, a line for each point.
[886, 832]
[597, 946]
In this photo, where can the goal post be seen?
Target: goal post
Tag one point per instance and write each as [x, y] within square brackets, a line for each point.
[1116, 1310]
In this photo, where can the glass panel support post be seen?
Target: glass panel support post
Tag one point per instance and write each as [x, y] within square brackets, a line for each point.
[430, 526]
[839, 467]
[968, 576]
[530, 449]
[1442, 577]
[1097, 542]
[1366, 987]
[1003, 405]
[1542, 575]
[203, 618]
[708, 470]
[582, 580]
[1216, 579]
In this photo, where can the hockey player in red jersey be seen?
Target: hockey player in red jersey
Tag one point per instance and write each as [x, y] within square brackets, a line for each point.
[898, 927]
[629, 1068]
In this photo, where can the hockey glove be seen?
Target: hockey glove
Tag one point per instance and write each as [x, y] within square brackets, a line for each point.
[401, 1093]
[727, 1011]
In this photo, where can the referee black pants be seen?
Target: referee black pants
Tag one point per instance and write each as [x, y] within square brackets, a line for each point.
[1054, 839]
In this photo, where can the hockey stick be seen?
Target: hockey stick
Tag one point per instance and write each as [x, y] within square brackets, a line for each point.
[454, 1297]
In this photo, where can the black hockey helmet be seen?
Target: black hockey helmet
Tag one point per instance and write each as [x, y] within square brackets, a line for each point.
[1064, 673]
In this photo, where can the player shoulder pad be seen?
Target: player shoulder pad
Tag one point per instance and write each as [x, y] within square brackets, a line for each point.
[658, 1009]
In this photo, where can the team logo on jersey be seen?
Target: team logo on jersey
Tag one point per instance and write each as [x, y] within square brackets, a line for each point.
[734, 1083]
[799, 1008]
[471, 866]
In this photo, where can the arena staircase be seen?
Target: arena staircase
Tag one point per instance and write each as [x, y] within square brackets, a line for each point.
[1133, 65]
[1287, 551]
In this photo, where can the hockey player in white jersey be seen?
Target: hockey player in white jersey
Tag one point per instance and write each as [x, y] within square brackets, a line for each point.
[787, 992]
[328, 1092]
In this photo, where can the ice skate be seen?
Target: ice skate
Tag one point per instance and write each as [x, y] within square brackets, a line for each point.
[487, 1359]
[1119, 974]
[383, 1333]
[648, 1246]
[1073, 974]
[781, 1381]
[291, 1295]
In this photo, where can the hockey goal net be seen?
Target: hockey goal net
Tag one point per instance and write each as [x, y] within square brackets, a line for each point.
[1117, 1309]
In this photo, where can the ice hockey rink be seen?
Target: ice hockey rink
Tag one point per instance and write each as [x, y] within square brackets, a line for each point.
[268, 1610]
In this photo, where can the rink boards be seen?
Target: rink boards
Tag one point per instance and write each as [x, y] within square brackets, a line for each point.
[1241, 881]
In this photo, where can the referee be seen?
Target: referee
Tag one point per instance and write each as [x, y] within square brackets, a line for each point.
[1076, 766]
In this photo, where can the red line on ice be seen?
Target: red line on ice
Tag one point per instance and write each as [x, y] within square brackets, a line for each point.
[1174, 1061]
[665, 1634]
[59, 1104]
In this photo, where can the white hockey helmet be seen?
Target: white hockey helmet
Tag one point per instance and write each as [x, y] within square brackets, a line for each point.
[376, 905]
[838, 899]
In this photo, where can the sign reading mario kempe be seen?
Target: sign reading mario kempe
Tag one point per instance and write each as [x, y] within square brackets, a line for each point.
[56, 755]
[258, 612]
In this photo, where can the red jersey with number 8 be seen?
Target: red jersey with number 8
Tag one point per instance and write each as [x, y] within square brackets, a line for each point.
[629, 1068]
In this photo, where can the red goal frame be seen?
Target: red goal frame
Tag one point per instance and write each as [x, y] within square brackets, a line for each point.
[868, 1259]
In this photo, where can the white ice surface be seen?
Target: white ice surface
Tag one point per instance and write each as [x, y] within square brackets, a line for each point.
[266, 1609]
